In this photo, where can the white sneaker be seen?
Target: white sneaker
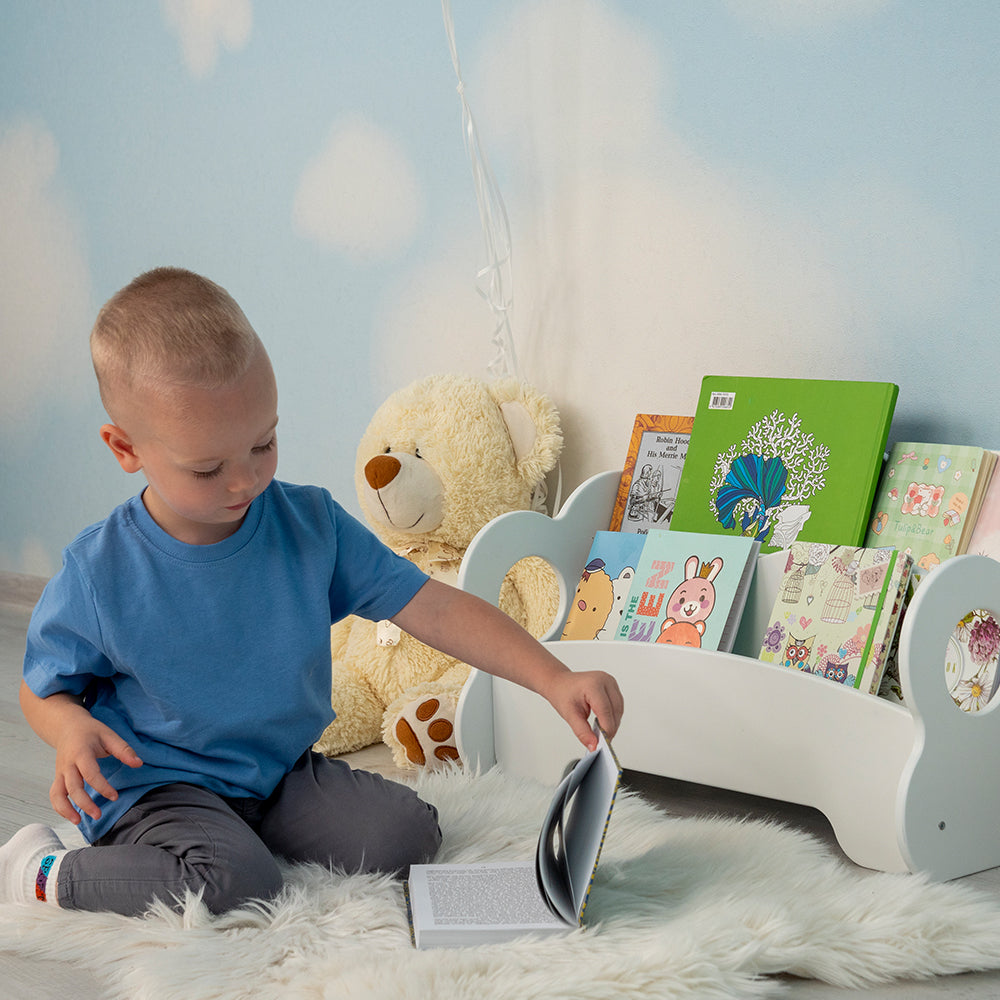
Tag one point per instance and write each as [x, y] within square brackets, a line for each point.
[21, 858]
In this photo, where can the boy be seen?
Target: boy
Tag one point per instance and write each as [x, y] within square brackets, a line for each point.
[179, 661]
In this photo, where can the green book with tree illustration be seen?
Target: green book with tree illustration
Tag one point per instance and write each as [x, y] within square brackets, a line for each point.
[781, 459]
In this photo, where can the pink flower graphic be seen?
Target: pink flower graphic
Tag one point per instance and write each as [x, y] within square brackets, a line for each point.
[984, 640]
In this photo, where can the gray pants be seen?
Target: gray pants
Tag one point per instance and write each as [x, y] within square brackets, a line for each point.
[181, 837]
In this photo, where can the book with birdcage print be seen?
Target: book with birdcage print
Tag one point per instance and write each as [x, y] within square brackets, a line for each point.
[837, 612]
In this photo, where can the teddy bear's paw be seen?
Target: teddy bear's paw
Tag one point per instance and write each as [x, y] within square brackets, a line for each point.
[426, 731]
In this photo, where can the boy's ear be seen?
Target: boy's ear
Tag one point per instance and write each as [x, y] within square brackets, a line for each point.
[121, 447]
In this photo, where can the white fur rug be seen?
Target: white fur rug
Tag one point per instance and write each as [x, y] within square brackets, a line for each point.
[683, 908]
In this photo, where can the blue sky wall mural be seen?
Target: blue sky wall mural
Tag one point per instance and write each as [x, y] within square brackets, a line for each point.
[760, 187]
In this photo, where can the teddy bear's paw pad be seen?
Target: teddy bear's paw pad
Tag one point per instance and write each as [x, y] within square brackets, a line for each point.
[426, 733]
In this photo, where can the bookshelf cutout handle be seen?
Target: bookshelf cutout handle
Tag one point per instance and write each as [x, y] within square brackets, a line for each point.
[947, 806]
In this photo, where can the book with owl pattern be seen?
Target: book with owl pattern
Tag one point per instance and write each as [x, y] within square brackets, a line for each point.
[837, 612]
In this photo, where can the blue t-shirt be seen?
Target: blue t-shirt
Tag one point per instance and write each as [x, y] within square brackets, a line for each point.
[211, 661]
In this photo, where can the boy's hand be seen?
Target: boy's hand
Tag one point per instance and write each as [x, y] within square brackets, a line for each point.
[79, 740]
[77, 751]
[576, 695]
[479, 634]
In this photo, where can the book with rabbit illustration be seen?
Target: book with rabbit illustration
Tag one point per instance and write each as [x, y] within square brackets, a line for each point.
[781, 459]
[689, 589]
[837, 612]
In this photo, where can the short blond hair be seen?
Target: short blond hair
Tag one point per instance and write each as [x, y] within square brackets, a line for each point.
[170, 327]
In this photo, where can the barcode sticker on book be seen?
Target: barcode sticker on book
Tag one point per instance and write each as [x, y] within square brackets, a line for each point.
[721, 400]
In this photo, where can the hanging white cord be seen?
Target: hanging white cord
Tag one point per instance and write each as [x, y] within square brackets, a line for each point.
[493, 282]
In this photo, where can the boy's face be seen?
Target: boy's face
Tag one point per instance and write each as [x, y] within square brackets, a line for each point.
[206, 453]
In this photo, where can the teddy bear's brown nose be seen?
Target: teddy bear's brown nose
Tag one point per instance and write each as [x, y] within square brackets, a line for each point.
[381, 470]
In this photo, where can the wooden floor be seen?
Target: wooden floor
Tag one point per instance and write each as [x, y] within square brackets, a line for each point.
[26, 772]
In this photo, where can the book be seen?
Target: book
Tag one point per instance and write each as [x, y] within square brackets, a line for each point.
[782, 459]
[971, 663]
[928, 501]
[886, 660]
[984, 539]
[891, 687]
[597, 605]
[652, 473]
[689, 589]
[939, 501]
[453, 905]
[837, 612]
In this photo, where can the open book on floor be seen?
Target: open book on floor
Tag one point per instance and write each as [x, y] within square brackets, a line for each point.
[454, 905]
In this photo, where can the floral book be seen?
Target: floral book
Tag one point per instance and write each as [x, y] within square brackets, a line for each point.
[837, 612]
[652, 473]
[971, 660]
[784, 459]
[985, 537]
[597, 605]
[928, 501]
[689, 589]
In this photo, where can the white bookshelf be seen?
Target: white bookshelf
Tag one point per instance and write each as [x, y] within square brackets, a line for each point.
[904, 788]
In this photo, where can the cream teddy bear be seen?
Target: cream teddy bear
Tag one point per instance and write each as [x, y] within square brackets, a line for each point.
[440, 459]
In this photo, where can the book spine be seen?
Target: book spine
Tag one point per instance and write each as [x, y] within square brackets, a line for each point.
[877, 622]
[892, 625]
[880, 623]
[728, 636]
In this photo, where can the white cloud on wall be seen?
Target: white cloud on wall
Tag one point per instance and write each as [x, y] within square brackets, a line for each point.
[638, 266]
[45, 314]
[432, 321]
[359, 194]
[569, 83]
[202, 26]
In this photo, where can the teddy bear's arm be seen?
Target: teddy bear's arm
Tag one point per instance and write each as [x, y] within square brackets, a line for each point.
[530, 595]
[359, 711]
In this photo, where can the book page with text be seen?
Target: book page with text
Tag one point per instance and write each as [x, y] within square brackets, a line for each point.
[503, 894]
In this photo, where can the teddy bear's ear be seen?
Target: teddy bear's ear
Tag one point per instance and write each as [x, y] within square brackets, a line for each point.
[533, 425]
[520, 427]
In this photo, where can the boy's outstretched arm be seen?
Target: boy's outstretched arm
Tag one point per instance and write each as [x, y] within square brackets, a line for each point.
[78, 739]
[477, 633]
